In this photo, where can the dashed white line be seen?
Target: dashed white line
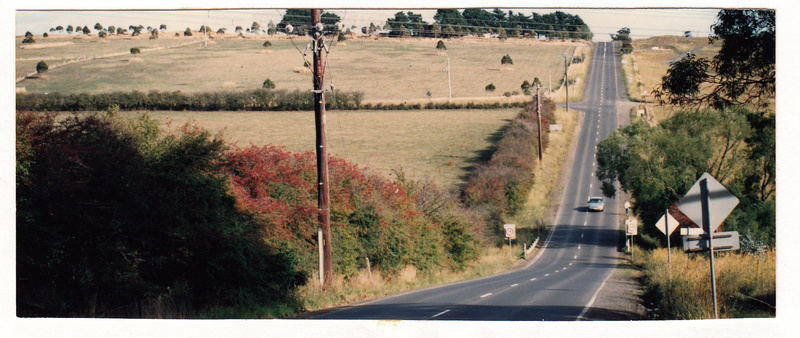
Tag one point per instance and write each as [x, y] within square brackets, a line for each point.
[440, 313]
[570, 264]
[576, 257]
[566, 267]
[547, 275]
[513, 285]
[579, 247]
[486, 295]
[533, 279]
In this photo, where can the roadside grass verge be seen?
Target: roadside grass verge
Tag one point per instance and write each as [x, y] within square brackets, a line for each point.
[682, 290]
[367, 286]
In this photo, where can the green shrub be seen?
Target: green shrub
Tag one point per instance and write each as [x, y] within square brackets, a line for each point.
[506, 60]
[490, 87]
[440, 45]
[268, 84]
[41, 67]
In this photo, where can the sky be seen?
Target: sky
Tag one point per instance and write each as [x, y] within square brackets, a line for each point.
[642, 22]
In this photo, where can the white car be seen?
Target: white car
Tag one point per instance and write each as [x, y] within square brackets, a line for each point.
[596, 203]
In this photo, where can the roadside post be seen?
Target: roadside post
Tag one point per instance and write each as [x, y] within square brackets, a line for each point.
[631, 229]
[511, 233]
[667, 225]
[708, 203]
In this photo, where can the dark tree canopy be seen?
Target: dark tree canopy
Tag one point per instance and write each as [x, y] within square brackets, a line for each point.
[742, 73]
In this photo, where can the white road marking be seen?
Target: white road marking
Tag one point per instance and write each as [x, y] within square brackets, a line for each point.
[579, 247]
[486, 295]
[533, 279]
[566, 267]
[576, 257]
[547, 275]
[581, 235]
[570, 264]
[440, 313]
[513, 285]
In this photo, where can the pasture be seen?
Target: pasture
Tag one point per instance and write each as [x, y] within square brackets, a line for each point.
[427, 144]
[383, 69]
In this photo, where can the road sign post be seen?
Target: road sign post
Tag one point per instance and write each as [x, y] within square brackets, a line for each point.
[667, 225]
[708, 203]
[511, 233]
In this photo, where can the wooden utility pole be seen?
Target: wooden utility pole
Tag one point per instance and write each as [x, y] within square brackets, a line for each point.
[322, 146]
[539, 120]
[566, 79]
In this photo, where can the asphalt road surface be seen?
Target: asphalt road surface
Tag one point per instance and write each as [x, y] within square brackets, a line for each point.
[563, 280]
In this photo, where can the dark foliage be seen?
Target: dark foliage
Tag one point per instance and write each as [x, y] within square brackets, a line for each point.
[113, 218]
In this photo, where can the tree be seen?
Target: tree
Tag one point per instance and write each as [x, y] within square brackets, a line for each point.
[59, 28]
[28, 34]
[102, 34]
[238, 30]
[86, 30]
[221, 31]
[111, 29]
[687, 34]
[121, 31]
[742, 72]
[255, 27]
[163, 27]
[28, 39]
[658, 165]
[449, 17]
[41, 67]
[135, 50]
[70, 29]
[187, 32]
[98, 27]
[440, 45]
[268, 84]
[623, 35]
[490, 87]
[506, 60]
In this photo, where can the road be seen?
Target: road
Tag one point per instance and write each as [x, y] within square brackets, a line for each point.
[562, 281]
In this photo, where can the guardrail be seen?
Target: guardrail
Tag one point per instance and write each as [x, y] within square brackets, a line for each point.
[533, 246]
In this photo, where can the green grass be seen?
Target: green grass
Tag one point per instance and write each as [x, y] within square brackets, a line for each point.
[435, 144]
[384, 69]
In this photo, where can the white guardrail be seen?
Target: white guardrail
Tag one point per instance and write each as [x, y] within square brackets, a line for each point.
[533, 246]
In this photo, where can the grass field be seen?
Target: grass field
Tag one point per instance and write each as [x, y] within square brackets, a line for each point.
[650, 60]
[382, 68]
[435, 144]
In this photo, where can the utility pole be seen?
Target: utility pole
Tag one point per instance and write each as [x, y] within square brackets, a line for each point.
[566, 79]
[539, 121]
[321, 146]
[449, 88]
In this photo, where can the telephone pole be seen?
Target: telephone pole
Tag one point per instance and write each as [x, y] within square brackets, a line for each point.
[539, 121]
[321, 146]
[566, 79]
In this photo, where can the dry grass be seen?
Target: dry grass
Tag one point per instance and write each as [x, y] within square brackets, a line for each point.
[435, 144]
[685, 289]
[644, 68]
[384, 69]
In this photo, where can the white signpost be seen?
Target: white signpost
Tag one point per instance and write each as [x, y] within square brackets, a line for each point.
[511, 233]
[667, 224]
[708, 203]
[631, 229]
